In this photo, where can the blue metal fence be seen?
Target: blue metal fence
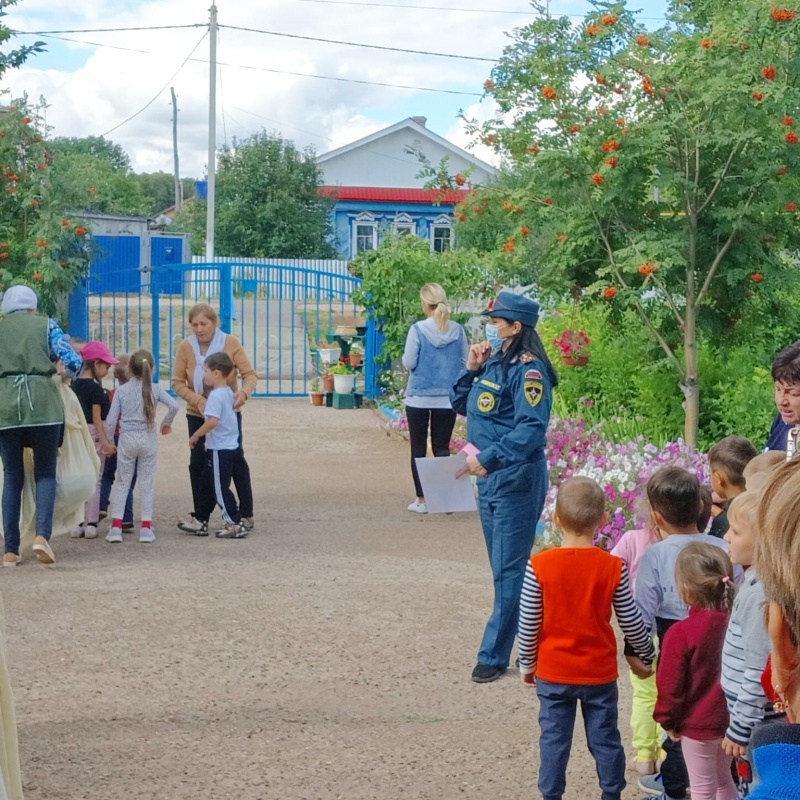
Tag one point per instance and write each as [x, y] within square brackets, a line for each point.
[277, 312]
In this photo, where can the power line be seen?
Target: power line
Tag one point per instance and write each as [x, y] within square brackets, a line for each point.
[274, 71]
[114, 30]
[405, 7]
[359, 44]
[161, 90]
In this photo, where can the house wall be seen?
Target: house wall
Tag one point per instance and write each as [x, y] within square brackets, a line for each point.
[346, 216]
[384, 162]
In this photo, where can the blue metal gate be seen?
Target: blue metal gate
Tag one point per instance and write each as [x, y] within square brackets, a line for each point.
[278, 313]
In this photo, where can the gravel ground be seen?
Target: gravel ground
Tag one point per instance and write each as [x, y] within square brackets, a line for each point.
[326, 656]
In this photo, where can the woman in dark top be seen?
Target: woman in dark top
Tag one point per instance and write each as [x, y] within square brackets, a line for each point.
[95, 404]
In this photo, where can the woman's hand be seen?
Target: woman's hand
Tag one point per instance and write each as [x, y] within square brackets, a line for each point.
[478, 354]
[201, 404]
[472, 467]
[239, 399]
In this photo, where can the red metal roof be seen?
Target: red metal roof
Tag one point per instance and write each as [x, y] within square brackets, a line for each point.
[379, 194]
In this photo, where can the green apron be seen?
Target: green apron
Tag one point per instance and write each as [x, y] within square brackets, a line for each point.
[28, 395]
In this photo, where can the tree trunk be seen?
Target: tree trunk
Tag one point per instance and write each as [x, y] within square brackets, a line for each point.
[691, 391]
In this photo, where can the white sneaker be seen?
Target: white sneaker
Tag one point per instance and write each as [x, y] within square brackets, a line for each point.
[419, 508]
[90, 532]
[147, 535]
[77, 532]
[114, 535]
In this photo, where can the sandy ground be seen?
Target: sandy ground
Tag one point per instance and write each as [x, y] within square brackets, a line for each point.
[327, 656]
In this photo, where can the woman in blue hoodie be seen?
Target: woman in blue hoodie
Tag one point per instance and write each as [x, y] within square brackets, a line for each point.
[435, 354]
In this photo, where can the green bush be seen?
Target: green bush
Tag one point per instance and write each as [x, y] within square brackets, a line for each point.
[629, 383]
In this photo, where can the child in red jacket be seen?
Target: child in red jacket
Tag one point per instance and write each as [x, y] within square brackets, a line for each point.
[691, 706]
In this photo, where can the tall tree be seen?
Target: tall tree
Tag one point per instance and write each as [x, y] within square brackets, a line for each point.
[662, 166]
[268, 201]
[12, 59]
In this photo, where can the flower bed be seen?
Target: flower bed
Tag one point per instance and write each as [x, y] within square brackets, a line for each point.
[576, 447]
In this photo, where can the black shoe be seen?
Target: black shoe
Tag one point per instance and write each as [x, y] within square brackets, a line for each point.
[484, 673]
[127, 526]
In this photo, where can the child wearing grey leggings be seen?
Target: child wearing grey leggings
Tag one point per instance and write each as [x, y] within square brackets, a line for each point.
[134, 405]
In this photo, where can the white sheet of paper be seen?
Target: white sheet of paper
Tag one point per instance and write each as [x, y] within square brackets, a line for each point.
[443, 493]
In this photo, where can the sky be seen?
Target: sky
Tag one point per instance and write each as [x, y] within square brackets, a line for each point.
[94, 84]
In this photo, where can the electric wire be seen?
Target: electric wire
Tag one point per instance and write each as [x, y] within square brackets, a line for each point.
[161, 90]
[114, 30]
[359, 44]
[273, 71]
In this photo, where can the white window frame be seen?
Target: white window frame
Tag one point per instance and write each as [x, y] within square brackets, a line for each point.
[364, 220]
[442, 222]
[404, 223]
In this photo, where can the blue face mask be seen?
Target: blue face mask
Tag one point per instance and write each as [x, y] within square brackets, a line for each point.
[493, 337]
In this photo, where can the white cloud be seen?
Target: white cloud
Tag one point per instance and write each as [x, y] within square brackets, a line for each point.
[92, 89]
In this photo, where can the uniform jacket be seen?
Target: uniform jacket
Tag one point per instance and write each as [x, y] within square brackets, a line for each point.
[507, 416]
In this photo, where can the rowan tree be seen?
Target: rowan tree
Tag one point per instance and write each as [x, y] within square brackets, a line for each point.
[661, 166]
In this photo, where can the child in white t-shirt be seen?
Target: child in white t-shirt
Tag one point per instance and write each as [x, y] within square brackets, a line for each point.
[222, 441]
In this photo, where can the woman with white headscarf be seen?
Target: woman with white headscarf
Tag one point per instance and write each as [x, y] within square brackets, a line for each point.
[31, 414]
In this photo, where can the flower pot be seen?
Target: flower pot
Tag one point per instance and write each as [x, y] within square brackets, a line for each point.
[316, 398]
[327, 382]
[356, 359]
[329, 355]
[580, 361]
[344, 384]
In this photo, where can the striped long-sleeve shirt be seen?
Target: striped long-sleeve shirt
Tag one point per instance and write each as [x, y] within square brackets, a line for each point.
[588, 636]
[744, 656]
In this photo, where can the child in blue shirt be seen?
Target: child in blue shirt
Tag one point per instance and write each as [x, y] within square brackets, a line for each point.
[222, 441]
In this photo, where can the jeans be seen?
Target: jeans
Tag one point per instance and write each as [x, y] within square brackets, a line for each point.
[44, 440]
[203, 496]
[441, 421]
[510, 504]
[107, 482]
[557, 706]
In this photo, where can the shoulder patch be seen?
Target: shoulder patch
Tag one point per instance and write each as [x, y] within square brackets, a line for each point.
[486, 402]
[533, 392]
[526, 358]
[533, 375]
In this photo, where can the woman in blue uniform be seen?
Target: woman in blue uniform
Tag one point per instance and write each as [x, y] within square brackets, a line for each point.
[506, 395]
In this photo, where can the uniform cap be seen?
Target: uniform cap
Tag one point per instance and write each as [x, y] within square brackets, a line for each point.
[514, 308]
[97, 351]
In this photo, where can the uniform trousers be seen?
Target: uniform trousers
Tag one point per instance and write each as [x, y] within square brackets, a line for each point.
[136, 453]
[510, 503]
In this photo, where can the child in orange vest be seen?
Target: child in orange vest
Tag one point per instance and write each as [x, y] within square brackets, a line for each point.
[567, 647]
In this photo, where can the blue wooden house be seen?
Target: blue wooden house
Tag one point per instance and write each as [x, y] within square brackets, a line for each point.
[377, 189]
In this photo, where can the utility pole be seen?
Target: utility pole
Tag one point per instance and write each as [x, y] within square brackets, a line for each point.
[178, 186]
[212, 134]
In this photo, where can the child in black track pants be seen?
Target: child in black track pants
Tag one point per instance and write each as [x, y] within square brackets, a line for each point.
[222, 442]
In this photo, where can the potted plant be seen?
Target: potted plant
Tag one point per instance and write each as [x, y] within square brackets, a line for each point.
[315, 394]
[344, 379]
[328, 354]
[573, 347]
[356, 355]
[327, 381]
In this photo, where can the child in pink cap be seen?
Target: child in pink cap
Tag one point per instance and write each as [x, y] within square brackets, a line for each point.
[94, 401]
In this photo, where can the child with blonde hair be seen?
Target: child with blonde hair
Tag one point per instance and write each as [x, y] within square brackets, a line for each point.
[567, 647]
[135, 403]
[746, 649]
[757, 471]
[691, 706]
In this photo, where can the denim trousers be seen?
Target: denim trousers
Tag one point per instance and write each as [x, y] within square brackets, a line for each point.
[510, 503]
[558, 703]
[44, 440]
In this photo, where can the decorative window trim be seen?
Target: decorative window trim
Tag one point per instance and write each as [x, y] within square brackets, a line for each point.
[441, 226]
[364, 221]
[404, 223]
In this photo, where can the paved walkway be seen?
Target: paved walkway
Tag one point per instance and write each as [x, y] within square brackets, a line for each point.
[327, 656]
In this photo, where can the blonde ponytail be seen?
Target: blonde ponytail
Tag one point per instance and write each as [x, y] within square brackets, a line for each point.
[140, 365]
[434, 297]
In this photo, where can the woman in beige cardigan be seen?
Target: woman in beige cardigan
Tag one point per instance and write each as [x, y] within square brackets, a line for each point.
[187, 382]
